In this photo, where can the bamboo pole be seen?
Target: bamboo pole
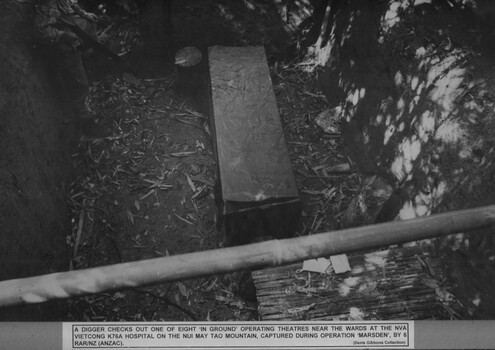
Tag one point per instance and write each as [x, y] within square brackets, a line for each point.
[253, 256]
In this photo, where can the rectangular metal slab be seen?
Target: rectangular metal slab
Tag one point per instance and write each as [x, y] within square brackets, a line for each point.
[253, 162]
[253, 159]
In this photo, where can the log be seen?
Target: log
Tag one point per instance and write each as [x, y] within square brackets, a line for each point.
[254, 256]
[383, 285]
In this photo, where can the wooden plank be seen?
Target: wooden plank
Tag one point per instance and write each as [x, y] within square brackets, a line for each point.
[390, 284]
[256, 183]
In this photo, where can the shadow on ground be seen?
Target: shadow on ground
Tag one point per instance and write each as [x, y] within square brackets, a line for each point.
[413, 85]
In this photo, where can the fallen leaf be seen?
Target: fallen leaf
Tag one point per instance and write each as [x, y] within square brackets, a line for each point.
[340, 168]
[146, 195]
[119, 295]
[191, 184]
[183, 289]
[158, 184]
[196, 114]
[181, 154]
[313, 193]
[329, 192]
[130, 216]
[444, 295]
[198, 192]
[185, 220]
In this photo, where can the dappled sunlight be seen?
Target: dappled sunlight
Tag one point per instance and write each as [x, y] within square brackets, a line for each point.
[395, 283]
[321, 51]
[420, 206]
[348, 30]
[293, 19]
[320, 54]
[389, 132]
[356, 314]
[445, 82]
[352, 100]
[407, 212]
[352, 281]
[450, 131]
[439, 190]
[399, 79]
[423, 203]
[416, 103]
[249, 5]
[347, 109]
[427, 118]
[426, 126]
[376, 259]
[413, 106]
[344, 290]
[226, 14]
[457, 241]
[392, 16]
[357, 269]
[409, 150]
[347, 285]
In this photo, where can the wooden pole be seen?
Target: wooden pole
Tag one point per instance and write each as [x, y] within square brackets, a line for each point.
[253, 256]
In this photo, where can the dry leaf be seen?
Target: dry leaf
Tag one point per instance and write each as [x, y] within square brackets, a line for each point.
[191, 184]
[181, 154]
[313, 193]
[340, 168]
[183, 289]
[146, 195]
[130, 216]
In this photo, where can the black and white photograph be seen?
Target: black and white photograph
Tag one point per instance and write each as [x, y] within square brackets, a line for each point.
[256, 162]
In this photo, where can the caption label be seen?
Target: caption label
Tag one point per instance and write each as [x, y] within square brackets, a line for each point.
[231, 335]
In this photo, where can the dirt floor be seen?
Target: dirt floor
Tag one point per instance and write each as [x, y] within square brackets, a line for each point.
[148, 191]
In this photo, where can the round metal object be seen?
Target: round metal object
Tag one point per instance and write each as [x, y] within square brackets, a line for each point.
[188, 57]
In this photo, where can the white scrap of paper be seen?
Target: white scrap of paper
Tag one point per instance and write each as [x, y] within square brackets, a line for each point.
[340, 263]
[316, 265]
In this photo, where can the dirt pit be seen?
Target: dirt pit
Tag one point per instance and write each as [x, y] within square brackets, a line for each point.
[148, 191]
